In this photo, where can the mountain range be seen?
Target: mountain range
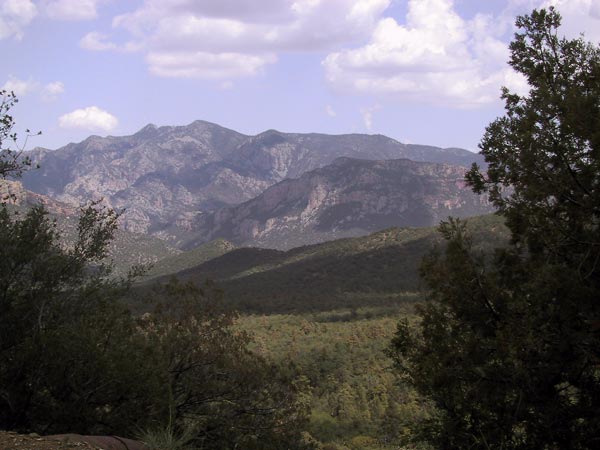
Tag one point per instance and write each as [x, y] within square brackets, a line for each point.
[175, 181]
[349, 197]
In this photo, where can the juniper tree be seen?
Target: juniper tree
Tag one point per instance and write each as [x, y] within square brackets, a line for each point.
[508, 348]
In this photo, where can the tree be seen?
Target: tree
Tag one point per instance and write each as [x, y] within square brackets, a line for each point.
[217, 392]
[547, 147]
[68, 347]
[508, 347]
[69, 351]
[12, 162]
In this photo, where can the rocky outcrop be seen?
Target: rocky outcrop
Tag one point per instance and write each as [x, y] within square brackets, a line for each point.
[350, 197]
[125, 250]
[165, 176]
[13, 193]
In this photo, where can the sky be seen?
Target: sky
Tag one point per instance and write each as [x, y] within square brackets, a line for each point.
[420, 71]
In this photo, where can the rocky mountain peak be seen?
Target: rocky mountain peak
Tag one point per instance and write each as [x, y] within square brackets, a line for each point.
[148, 131]
[166, 176]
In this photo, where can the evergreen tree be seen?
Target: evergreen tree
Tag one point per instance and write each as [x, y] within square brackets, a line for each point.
[508, 348]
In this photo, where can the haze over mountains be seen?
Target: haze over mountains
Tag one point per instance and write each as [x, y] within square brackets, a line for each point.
[182, 183]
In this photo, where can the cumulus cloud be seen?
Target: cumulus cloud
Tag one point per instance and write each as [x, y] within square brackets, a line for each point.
[437, 57]
[238, 38]
[14, 16]
[52, 91]
[20, 87]
[72, 9]
[434, 55]
[91, 118]
[330, 111]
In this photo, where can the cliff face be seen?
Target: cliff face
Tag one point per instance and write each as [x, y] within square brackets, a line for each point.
[164, 177]
[350, 197]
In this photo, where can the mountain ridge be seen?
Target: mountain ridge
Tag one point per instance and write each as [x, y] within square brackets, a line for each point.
[349, 197]
[165, 176]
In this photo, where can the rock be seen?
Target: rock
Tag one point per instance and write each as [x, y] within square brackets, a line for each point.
[101, 442]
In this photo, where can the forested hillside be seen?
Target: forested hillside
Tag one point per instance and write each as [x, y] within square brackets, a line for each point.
[371, 270]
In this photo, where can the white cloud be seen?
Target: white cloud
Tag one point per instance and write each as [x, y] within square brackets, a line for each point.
[206, 65]
[100, 42]
[51, 91]
[97, 42]
[72, 9]
[14, 16]
[91, 118]
[247, 10]
[48, 92]
[367, 115]
[237, 38]
[20, 87]
[436, 57]
[578, 16]
[330, 111]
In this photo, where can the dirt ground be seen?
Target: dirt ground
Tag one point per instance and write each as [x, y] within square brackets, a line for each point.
[10, 441]
[14, 441]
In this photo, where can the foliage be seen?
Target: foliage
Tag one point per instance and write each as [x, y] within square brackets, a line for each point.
[508, 349]
[66, 345]
[380, 269]
[76, 360]
[11, 161]
[216, 390]
[546, 147]
[64, 337]
[353, 394]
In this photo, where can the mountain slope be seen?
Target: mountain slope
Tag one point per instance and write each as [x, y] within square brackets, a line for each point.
[165, 176]
[371, 270]
[184, 260]
[126, 250]
[350, 197]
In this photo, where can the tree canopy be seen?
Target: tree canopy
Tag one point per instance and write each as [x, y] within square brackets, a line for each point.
[508, 347]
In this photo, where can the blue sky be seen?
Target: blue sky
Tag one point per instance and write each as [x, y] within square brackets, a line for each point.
[420, 71]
